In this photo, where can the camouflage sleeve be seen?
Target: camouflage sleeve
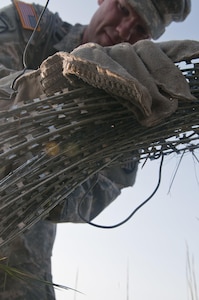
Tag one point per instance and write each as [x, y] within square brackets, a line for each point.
[14, 37]
[92, 197]
[29, 253]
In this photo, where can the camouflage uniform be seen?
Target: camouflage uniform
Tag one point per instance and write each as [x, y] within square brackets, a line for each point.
[31, 252]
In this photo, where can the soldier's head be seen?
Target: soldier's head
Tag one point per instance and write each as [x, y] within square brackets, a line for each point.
[117, 21]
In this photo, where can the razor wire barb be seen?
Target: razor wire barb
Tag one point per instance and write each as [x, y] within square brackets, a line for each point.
[49, 146]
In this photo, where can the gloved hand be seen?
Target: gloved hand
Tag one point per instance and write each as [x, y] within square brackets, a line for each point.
[142, 74]
[179, 51]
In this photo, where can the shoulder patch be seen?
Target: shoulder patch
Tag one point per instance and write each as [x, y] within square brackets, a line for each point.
[27, 14]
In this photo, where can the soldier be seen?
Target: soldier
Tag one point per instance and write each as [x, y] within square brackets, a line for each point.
[115, 21]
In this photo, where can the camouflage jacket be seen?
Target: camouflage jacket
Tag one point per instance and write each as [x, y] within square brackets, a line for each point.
[31, 251]
[55, 35]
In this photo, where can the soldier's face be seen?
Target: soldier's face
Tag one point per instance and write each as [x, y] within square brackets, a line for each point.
[114, 22]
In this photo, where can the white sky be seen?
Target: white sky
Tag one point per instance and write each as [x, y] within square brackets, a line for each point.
[153, 243]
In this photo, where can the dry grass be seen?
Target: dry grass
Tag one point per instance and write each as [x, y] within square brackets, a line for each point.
[27, 277]
[191, 277]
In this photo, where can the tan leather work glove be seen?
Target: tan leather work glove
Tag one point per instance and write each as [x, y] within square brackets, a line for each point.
[148, 73]
[179, 51]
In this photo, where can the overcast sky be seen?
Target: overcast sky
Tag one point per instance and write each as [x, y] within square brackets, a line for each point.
[153, 243]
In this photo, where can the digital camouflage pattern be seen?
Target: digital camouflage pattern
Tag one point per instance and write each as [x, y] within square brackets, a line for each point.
[32, 250]
[31, 254]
